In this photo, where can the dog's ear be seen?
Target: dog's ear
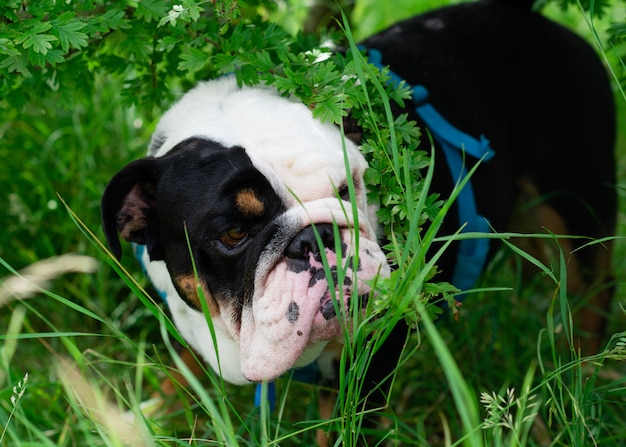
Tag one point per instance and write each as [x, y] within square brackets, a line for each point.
[128, 207]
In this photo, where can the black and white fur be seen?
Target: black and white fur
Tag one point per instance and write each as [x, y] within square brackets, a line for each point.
[245, 173]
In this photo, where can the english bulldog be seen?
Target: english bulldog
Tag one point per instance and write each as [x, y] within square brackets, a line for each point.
[249, 189]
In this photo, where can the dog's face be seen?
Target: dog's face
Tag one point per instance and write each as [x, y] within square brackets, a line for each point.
[257, 190]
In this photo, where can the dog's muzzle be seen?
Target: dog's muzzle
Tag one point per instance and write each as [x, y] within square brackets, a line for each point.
[313, 269]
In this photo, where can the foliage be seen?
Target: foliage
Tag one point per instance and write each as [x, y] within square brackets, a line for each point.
[61, 50]
[80, 85]
[595, 7]
[617, 41]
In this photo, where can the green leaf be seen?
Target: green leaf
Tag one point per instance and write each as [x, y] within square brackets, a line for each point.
[110, 20]
[16, 64]
[151, 10]
[37, 38]
[7, 47]
[193, 60]
[617, 31]
[136, 44]
[52, 57]
[9, 9]
[192, 9]
[40, 42]
[68, 30]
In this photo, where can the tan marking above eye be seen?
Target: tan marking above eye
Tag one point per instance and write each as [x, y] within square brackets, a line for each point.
[249, 203]
[233, 237]
[187, 287]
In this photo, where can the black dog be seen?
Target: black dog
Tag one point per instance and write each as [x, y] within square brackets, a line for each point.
[225, 164]
[542, 98]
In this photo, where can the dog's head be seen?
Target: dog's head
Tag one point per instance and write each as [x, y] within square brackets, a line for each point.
[256, 189]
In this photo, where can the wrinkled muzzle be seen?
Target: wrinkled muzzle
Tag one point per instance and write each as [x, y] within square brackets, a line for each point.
[316, 267]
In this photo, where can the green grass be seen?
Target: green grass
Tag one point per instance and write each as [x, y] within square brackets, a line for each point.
[507, 342]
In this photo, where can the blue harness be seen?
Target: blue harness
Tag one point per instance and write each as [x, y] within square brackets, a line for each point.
[455, 144]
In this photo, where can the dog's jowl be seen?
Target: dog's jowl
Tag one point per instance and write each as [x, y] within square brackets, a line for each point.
[253, 190]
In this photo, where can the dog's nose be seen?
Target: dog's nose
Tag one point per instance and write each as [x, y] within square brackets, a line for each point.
[306, 242]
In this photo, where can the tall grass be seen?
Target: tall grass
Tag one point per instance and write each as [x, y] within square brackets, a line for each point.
[82, 358]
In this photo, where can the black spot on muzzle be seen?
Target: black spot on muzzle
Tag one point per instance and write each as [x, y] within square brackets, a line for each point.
[293, 312]
[327, 308]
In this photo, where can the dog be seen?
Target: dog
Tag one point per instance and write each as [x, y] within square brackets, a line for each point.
[250, 189]
[247, 189]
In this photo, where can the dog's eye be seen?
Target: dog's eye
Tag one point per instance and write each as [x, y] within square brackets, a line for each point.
[233, 237]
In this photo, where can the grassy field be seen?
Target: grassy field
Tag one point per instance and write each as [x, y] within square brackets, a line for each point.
[80, 352]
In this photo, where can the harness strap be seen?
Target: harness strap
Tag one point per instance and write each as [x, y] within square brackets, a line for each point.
[472, 254]
[139, 250]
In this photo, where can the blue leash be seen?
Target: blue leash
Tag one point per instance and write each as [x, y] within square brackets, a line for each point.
[455, 144]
